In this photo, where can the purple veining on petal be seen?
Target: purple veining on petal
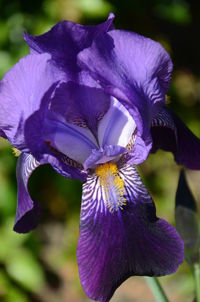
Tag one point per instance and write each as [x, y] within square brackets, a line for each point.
[140, 151]
[130, 67]
[27, 214]
[132, 241]
[60, 134]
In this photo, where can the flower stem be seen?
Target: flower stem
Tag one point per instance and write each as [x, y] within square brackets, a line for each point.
[197, 280]
[157, 289]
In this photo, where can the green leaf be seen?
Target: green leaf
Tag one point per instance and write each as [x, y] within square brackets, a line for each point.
[187, 220]
[25, 269]
[15, 295]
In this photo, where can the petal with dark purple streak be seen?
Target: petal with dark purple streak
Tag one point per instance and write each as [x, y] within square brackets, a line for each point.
[171, 134]
[27, 214]
[132, 241]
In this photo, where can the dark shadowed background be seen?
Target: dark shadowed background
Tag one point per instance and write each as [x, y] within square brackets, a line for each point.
[41, 266]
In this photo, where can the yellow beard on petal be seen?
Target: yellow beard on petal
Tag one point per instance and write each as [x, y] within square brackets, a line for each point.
[16, 152]
[112, 185]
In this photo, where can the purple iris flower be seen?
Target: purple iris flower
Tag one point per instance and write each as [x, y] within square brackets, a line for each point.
[90, 101]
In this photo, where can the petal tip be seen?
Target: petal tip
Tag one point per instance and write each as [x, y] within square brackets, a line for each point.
[28, 221]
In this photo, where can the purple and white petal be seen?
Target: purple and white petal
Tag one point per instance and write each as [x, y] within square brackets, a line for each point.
[170, 134]
[65, 40]
[42, 151]
[103, 155]
[117, 126]
[21, 92]
[27, 214]
[130, 240]
[139, 152]
[130, 67]
[81, 105]
[73, 141]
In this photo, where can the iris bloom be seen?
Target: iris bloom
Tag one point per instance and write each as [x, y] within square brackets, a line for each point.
[90, 101]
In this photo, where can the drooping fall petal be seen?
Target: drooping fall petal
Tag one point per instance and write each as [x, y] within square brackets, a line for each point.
[129, 241]
[171, 134]
[27, 214]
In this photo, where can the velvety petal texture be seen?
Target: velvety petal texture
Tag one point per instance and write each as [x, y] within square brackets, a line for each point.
[130, 241]
[170, 134]
[27, 214]
[21, 92]
[130, 67]
[65, 40]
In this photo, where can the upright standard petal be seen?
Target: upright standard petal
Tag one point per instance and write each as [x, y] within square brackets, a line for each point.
[80, 105]
[65, 40]
[131, 68]
[117, 126]
[120, 235]
[27, 214]
[170, 134]
[21, 92]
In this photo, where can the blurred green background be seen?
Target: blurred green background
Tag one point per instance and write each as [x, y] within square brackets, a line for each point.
[41, 266]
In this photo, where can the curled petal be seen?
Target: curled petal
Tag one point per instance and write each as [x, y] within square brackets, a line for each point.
[103, 155]
[170, 134]
[65, 40]
[27, 214]
[139, 152]
[116, 245]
